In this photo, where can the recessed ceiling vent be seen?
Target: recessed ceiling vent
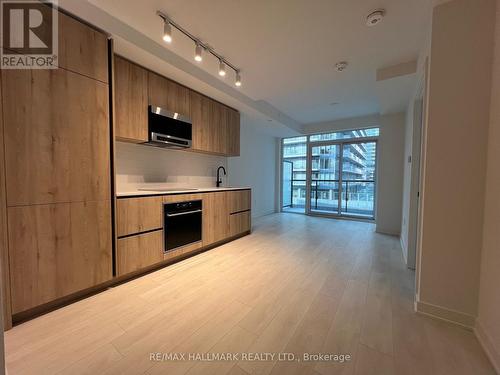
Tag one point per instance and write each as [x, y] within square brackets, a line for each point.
[375, 17]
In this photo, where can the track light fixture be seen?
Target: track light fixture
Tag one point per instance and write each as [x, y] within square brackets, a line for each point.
[197, 52]
[199, 47]
[167, 32]
[237, 82]
[222, 68]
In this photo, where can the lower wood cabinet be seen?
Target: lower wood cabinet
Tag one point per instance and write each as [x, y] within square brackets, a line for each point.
[134, 215]
[239, 200]
[137, 252]
[226, 214]
[56, 250]
[239, 223]
[215, 217]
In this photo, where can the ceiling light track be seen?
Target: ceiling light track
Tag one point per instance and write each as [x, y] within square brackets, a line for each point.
[199, 46]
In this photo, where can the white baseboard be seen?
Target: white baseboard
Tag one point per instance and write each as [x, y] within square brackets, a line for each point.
[452, 316]
[487, 344]
[390, 232]
[265, 213]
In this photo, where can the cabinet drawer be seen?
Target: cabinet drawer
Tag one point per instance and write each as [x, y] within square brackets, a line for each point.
[137, 252]
[134, 215]
[239, 200]
[239, 223]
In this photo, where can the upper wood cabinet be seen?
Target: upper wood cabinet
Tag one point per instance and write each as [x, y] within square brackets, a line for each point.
[167, 94]
[200, 116]
[216, 127]
[233, 133]
[82, 49]
[131, 101]
[56, 137]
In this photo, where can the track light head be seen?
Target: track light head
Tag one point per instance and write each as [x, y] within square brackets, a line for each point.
[237, 82]
[197, 52]
[222, 68]
[167, 32]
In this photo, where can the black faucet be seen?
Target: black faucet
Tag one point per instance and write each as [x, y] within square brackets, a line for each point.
[219, 180]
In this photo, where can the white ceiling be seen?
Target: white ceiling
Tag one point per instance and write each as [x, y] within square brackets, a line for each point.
[287, 49]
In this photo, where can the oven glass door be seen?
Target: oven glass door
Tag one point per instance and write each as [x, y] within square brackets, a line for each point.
[182, 228]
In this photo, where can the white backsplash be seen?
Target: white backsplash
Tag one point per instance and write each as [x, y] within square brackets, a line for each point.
[140, 166]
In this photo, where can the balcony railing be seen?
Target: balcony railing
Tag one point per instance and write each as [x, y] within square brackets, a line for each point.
[357, 196]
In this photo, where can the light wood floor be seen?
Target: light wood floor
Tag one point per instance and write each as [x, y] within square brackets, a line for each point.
[297, 284]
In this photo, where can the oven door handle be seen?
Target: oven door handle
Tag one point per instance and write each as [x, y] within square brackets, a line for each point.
[183, 213]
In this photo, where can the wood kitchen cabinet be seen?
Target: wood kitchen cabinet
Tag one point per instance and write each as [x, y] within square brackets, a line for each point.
[215, 217]
[239, 222]
[135, 215]
[56, 137]
[226, 214]
[138, 252]
[168, 94]
[200, 117]
[131, 101]
[216, 127]
[57, 249]
[82, 49]
[57, 171]
[233, 133]
[239, 200]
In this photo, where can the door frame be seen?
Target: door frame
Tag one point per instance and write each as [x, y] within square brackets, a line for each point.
[341, 143]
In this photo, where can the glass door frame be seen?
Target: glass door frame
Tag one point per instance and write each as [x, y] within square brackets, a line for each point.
[341, 143]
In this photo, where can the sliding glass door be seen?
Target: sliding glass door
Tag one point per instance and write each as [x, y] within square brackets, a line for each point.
[341, 178]
[324, 179]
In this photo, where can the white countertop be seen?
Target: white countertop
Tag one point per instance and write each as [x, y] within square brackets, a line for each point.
[138, 192]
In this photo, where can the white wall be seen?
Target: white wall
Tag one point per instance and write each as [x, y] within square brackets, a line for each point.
[256, 167]
[487, 323]
[140, 165]
[390, 163]
[456, 135]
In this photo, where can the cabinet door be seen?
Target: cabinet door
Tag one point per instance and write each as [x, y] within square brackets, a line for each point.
[200, 116]
[4, 254]
[82, 49]
[131, 101]
[233, 133]
[57, 249]
[56, 137]
[239, 223]
[167, 94]
[218, 120]
[134, 215]
[239, 200]
[215, 218]
[137, 252]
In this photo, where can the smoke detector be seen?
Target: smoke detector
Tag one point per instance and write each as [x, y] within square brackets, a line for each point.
[341, 66]
[375, 17]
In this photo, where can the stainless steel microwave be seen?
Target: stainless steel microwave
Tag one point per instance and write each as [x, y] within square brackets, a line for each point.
[168, 129]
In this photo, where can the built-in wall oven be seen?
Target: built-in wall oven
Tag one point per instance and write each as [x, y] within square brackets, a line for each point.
[182, 224]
